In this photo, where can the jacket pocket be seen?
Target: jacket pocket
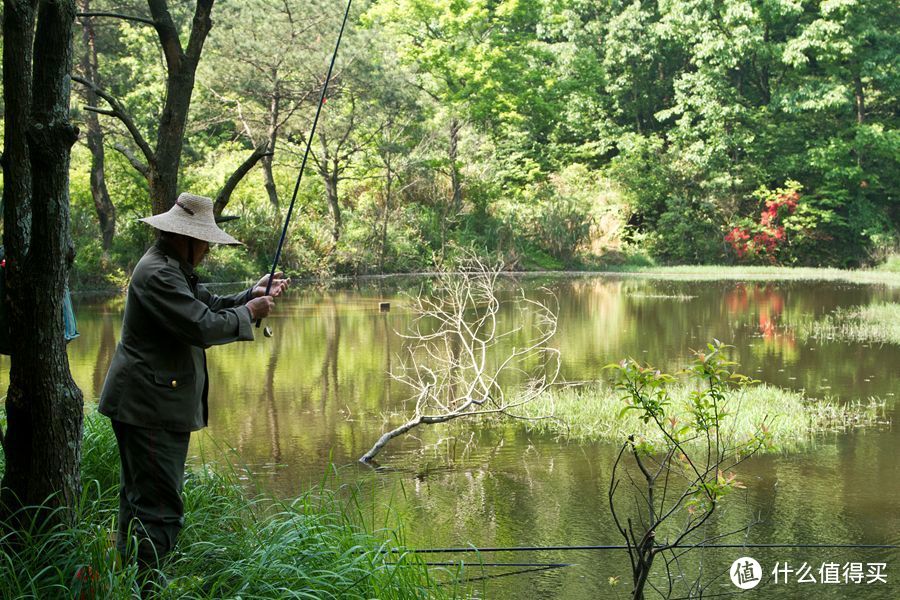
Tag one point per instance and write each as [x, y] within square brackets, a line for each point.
[173, 380]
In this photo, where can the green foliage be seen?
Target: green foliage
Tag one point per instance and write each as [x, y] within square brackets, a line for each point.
[583, 129]
[594, 413]
[891, 264]
[689, 479]
[556, 223]
[688, 232]
[233, 544]
[648, 392]
[874, 323]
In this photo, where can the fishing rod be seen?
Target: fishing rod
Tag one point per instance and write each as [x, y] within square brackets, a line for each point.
[268, 331]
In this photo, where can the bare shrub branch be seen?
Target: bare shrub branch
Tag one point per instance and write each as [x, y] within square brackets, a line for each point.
[460, 357]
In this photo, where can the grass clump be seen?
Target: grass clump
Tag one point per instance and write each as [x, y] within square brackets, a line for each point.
[891, 264]
[233, 544]
[594, 412]
[874, 323]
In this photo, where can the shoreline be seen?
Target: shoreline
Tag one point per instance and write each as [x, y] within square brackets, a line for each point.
[672, 273]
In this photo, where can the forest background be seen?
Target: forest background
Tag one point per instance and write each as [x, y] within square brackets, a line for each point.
[557, 134]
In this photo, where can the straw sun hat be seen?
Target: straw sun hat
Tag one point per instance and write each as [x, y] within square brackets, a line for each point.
[192, 216]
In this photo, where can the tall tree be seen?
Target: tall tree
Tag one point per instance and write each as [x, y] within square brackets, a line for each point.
[44, 407]
[335, 146]
[483, 64]
[265, 67]
[161, 165]
[106, 211]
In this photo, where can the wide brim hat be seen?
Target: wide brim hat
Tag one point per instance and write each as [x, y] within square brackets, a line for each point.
[192, 216]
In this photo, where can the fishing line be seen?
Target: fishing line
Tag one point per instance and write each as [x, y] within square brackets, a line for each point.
[499, 575]
[625, 547]
[312, 131]
[484, 564]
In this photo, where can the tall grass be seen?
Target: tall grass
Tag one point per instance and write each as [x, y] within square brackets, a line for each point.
[889, 277]
[874, 323]
[594, 412]
[233, 544]
[890, 264]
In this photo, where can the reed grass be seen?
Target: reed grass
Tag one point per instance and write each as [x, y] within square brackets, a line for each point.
[888, 276]
[594, 412]
[233, 545]
[874, 323]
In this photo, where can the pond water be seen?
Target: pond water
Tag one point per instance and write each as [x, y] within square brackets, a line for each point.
[317, 393]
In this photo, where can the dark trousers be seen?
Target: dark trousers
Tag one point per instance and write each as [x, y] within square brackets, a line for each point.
[151, 512]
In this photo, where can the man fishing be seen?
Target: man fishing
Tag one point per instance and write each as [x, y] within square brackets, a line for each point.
[156, 388]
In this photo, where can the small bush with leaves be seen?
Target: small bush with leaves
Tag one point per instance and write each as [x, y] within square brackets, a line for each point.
[679, 482]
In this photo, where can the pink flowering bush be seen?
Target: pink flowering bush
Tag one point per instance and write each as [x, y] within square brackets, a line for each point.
[765, 241]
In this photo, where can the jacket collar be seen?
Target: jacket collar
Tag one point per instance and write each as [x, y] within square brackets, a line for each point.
[167, 249]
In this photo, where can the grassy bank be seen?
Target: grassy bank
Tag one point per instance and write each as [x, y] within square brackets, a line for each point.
[594, 412]
[887, 274]
[747, 273]
[874, 323]
[891, 264]
[232, 545]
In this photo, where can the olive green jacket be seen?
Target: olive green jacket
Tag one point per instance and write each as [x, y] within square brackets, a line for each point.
[158, 377]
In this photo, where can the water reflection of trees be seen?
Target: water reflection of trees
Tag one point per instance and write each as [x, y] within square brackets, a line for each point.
[287, 399]
[248, 433]
[106, 347]
[558, 497]
[329, 369]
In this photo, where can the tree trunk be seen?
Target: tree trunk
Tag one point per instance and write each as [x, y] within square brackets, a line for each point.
[44, 407]
[106, 212]
[860, 100]
[272, 138]
[454, 166]
[328, 167]
[170, 137]
[388, 190]
[331, 190]
[269, 179]
[182, 67]
[645, 555]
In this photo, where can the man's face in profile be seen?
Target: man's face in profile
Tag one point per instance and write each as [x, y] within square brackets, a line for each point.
[201, 248]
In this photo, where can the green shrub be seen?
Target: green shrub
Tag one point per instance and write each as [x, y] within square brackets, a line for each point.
[228, 264]
[688, 232]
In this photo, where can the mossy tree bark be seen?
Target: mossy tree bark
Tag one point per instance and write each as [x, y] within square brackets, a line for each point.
[44, 407]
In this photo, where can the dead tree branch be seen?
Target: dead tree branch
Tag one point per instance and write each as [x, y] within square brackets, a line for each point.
[462, 360]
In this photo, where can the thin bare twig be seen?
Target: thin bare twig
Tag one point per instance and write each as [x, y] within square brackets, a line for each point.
[113, 15]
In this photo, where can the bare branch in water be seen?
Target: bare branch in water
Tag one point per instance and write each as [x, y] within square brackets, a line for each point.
[452, 359]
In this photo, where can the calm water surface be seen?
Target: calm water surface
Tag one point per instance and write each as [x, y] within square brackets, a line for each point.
[317, 393]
